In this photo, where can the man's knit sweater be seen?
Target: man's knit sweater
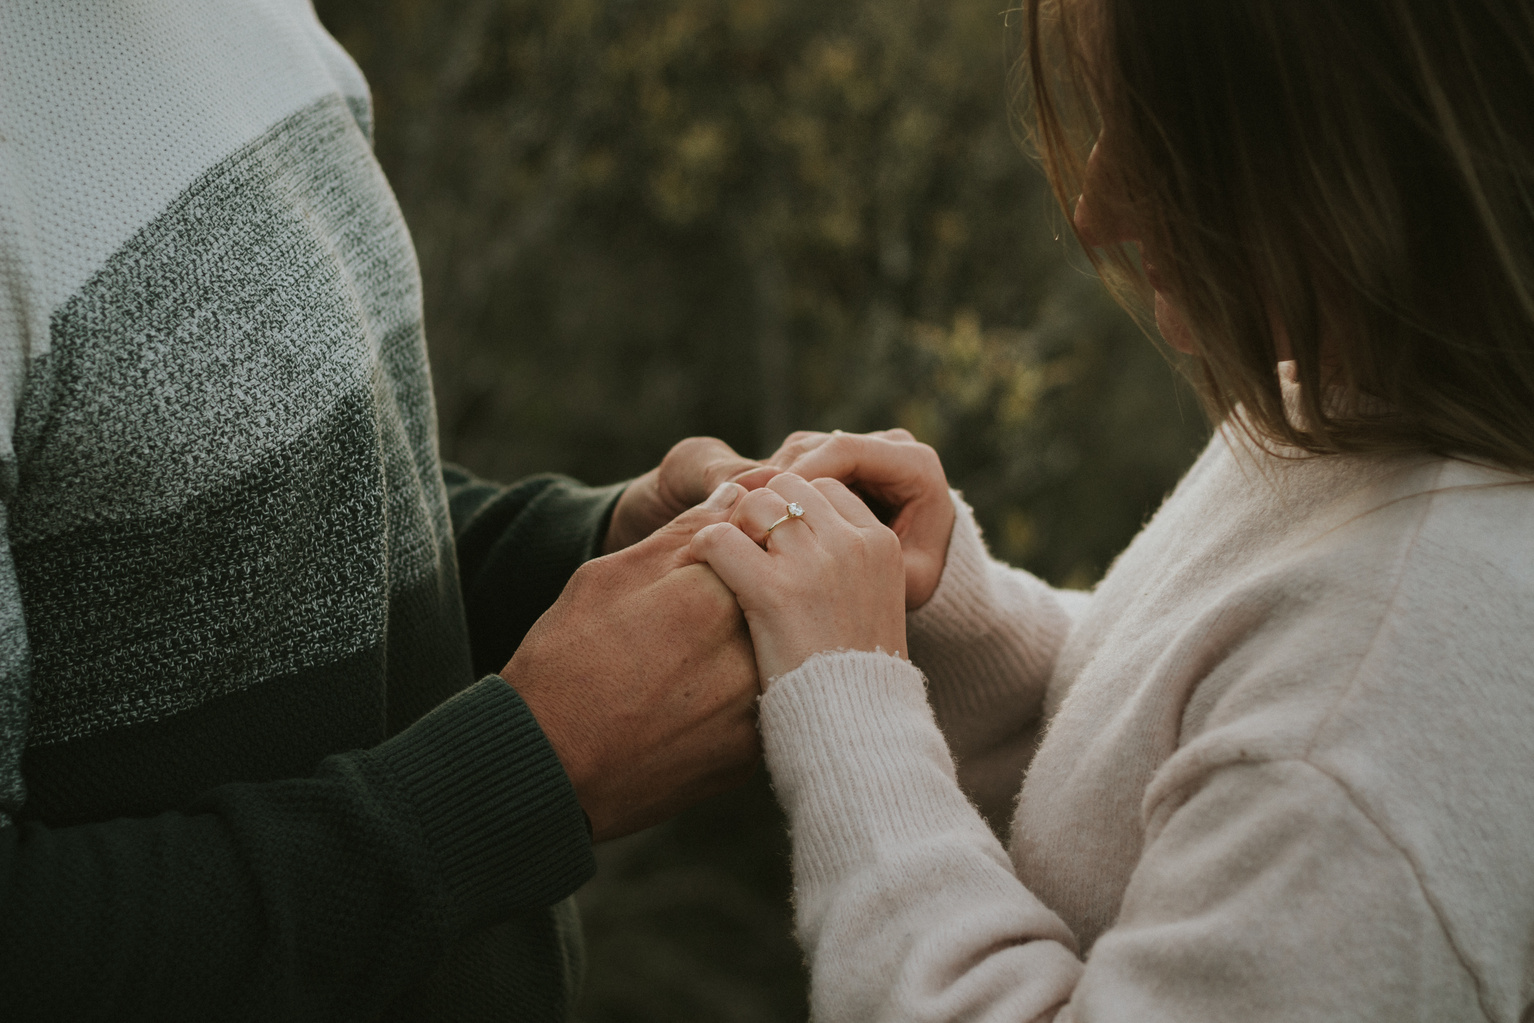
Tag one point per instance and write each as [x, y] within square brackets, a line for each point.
[228, 558]
[1286, 773]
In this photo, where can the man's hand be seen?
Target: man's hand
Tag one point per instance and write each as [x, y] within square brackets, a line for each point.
[643, 678]
[691, 471]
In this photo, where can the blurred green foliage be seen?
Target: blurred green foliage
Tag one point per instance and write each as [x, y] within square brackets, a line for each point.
[644, 219]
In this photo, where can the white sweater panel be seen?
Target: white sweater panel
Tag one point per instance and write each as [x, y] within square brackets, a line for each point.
[96, 140]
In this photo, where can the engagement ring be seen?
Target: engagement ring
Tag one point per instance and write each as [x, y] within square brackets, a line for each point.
[794, 512]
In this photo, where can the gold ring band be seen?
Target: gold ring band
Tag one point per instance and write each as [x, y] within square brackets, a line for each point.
[795, 510]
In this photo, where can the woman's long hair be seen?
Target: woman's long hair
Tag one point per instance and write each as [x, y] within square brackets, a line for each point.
[1356, 174]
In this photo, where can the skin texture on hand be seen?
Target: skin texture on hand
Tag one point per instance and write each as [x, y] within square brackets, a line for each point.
[692, 470]
[895, 473]
[643, 678]
[831, 579]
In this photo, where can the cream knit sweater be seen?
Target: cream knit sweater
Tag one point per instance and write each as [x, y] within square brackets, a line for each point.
[1288, 771]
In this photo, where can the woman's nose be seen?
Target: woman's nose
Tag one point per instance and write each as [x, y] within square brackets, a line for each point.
[1101, 216]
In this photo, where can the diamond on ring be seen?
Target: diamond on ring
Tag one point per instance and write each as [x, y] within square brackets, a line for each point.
[795, 510]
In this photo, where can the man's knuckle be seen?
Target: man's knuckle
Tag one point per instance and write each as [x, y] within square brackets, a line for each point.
[593, 573]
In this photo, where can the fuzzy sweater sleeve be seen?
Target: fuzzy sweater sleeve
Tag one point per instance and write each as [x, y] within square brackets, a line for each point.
[1265, 894]
[904, 900]
[987, 641]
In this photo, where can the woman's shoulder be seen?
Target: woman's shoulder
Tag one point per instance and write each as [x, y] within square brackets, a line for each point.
[1433, 552]
[1395, 655]
[1282, 576]
[1394, 580]
[1376, 519]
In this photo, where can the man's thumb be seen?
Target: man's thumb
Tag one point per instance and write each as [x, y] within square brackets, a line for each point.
[715, 508]
[723, 499]
[754, 475]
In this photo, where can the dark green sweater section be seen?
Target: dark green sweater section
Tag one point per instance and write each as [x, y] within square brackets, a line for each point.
[407, 880]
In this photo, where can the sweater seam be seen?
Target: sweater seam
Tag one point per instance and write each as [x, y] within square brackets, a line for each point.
[1416, 871]
[1334, 709]
[1188, 787]
[1385, 616]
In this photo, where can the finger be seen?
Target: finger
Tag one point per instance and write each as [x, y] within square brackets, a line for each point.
[735, 558]
[694, 467]
[731, 467]
[718, 507]
[819, 513]
[798, 437]
[891, 470]
[847, 455]
[896, 434]
[758, 511]
[795, 445]
[756, 477]
[667, 547]
[848, 504]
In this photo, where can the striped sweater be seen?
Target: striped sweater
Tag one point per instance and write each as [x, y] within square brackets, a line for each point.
[245, 769]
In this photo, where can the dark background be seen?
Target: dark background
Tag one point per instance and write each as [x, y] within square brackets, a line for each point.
[640, 220]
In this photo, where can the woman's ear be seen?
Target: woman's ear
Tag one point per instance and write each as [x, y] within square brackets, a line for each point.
[1102, 216]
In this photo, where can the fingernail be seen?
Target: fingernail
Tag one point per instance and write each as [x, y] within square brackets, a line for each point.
[724, 497]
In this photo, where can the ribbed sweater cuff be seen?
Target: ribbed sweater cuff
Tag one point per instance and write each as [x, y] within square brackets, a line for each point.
[494, 804]
[960, 604]
[858, 761]
[987, 639]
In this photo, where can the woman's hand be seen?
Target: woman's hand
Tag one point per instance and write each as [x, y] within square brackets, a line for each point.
[901, 477]
[828, 579]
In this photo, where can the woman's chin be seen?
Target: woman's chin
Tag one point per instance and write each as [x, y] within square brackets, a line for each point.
[1174, 330]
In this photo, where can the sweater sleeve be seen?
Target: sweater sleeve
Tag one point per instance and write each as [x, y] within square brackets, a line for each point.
[517, 547]
[1265, 895]
[314, 898]
[318, 897]
[987, 641]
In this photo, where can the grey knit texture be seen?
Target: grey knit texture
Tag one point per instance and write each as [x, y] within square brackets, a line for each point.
[226, 465]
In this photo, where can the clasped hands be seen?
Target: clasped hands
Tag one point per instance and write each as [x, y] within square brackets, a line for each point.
[644, 674]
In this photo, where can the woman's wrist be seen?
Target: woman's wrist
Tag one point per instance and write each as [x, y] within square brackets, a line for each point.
[963, 575]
